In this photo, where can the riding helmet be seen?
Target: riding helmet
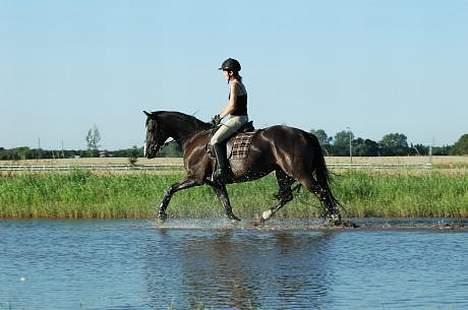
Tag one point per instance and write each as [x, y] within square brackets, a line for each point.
[230, 64]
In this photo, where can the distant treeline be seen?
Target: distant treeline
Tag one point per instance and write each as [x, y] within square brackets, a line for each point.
[393, 144]
[21, 153]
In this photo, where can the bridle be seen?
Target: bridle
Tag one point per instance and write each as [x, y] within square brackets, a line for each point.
[158, 145]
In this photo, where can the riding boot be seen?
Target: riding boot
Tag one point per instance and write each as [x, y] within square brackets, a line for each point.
[220, 174]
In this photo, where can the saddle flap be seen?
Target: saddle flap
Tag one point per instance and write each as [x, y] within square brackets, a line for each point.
[238, 146]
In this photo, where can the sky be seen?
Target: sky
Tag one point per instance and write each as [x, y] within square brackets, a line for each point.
[375, 67]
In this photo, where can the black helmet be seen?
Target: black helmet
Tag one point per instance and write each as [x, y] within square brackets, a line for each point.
[230, 64]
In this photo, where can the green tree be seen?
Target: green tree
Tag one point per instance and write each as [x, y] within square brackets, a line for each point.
[365, 147]
[22, 152]
[420, 149]
[92, 139]
[322, 136]
[394, 144]
[341, 142]
[461, 146]
[442, 150]
[132, 152]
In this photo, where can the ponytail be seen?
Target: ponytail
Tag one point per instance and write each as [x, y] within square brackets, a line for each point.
[236, 75]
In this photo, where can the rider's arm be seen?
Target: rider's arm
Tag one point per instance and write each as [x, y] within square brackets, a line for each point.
[231, 105]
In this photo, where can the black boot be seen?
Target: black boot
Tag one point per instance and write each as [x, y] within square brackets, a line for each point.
[220, 174]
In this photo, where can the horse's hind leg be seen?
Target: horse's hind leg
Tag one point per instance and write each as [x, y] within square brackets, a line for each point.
[325, 197]
[284, 195]
[284, 183]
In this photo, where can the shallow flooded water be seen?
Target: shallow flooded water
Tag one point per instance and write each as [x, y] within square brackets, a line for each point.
[214, 265]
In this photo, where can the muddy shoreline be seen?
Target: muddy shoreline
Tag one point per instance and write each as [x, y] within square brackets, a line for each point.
[367, 224]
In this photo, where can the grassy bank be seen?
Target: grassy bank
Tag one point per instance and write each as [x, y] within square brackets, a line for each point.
[82, 194]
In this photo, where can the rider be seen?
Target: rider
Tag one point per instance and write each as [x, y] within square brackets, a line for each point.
[235, 109]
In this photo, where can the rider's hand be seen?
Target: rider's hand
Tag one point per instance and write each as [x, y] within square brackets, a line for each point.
[216, 120]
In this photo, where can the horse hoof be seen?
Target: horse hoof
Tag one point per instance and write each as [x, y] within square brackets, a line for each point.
[350, 224]
[266, 215]
[162, 217]
[335, 220]
[259, 221]
[233, 218]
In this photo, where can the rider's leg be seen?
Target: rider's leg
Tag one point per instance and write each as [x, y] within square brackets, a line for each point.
[219, 149]
[226, 130]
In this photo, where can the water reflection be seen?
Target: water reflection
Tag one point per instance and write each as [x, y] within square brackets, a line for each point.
[239, 270]
[215, 272]
[305, 277]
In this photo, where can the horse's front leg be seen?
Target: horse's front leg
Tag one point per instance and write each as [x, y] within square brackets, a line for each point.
[187, 183]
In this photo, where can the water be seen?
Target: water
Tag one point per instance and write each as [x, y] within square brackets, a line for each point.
[139, 265]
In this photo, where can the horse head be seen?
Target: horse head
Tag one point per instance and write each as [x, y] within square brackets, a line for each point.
[155, 135]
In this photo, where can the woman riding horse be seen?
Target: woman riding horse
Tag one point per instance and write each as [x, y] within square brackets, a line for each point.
[235, 110]
[293, 154]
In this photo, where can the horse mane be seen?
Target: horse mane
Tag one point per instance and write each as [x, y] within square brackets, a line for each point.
[180, 126]
[185, 118]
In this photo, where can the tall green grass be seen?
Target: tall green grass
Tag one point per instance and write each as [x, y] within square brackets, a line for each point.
[82, 194]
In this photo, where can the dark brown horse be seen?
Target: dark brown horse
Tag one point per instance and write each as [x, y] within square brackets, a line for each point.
[293, 154]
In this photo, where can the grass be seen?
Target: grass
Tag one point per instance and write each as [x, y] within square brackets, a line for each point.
[404, 195]
[83, 194]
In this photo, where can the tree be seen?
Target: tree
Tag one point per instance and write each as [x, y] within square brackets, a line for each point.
[461, 146]
[92, 139]
[420, 149]
[22, 152]
[133, 152]
[442, 150]
[323, 138]
[341, 142]
[394, 144]
[365, 147]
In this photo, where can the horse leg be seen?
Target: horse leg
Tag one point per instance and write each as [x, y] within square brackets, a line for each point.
[187, 183]
[325, 197]
[284, 194]
[221, 192]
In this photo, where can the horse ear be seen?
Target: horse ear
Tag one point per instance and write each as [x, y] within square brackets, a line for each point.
[147, 113]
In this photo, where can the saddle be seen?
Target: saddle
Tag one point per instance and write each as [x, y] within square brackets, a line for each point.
[238, 145]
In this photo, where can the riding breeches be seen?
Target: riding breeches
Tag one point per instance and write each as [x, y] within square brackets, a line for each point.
[228, 128]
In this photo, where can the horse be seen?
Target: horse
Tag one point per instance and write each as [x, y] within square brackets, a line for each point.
[293, 154]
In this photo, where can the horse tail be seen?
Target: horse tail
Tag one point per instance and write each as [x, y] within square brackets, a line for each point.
[322, 173]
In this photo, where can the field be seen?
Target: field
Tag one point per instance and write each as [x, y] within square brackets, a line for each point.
[417, 162]
[82, 193]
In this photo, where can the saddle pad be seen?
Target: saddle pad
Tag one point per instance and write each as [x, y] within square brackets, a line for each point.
[241, 145]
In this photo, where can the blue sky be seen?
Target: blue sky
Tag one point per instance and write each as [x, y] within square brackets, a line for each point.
[374, 66]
